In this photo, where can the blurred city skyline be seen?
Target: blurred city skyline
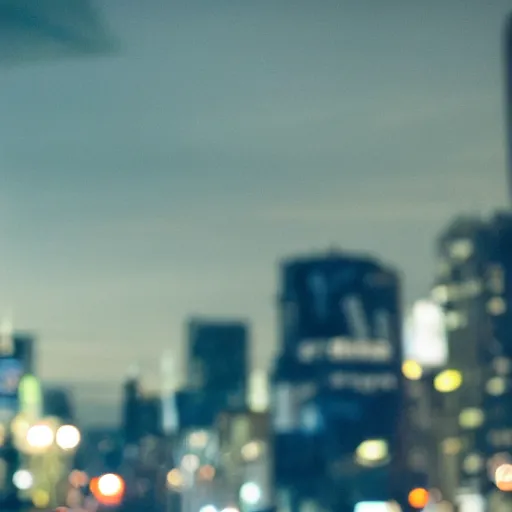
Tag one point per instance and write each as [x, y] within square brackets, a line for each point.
[143, 188]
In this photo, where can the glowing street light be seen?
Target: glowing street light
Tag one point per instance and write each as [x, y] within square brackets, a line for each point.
[67, 437]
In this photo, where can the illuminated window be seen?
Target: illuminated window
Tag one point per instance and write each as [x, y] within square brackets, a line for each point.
[455, 320]
[451, 446]
[440, 294]
[412, 370]
[496, 306]
[496, 386]
[307, 352]
[496, 281]
[461, 249]
[471, 288]
[473, 464]
[471, 418]
[448, 381]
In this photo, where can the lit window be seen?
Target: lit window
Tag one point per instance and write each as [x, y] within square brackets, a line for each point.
[461, 249]
[473, 463]
[496, 386]
[448, 381]
[471, 418]
[496, 281]
[440, 294]
[472, 288]
[454, 320]
[412, 370]
[451, 446]
[307, 352]
[496, 306]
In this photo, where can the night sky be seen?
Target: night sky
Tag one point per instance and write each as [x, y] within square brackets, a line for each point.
[169, 179]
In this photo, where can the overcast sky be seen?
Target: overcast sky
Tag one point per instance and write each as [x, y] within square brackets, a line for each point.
[169, 179]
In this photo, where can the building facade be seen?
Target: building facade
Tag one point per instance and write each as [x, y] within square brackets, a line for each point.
[338, 387]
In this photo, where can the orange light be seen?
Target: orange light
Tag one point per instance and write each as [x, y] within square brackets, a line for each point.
[502, 478]
[108, 489]
[418, 498]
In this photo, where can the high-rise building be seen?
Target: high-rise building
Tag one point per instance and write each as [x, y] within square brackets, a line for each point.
[132, 408]
[57, 402]
[218, 359]
[338, 388]
[473, 407]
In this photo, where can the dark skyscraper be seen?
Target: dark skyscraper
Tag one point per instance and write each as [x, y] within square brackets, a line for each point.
[58, 403]
[218, 358]
[132, 409]
[508, 97]
[338, 383]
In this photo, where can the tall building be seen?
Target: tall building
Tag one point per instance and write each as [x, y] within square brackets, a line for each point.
[131, 424]
[218, 359]
[473, 287]
[338, 387]
[508, 95]
[57, 402]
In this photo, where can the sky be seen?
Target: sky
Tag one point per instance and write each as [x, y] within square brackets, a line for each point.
[170, 178]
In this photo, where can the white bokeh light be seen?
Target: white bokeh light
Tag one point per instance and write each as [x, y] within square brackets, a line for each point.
[23, 479]
[250, 493]
[40, 436]
[67, 437]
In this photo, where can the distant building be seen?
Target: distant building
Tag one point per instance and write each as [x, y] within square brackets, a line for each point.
[218, 360]
[131, 415]
[58, 402]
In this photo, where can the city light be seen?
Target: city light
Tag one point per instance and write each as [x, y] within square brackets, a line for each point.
[40, 437]
[230, 509]
[412, 370]
[174, 478]
[67, 437]
[471, 418]
[372, 451]
[448, 381]
[251, 451]
[206, 473]
[190, 462]
[198, 440]
[108, 489]
[23, 479]
[110, 485]
[418, 498]
[208, 508]
[250, 493]
[503, 477]
[41, 498]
